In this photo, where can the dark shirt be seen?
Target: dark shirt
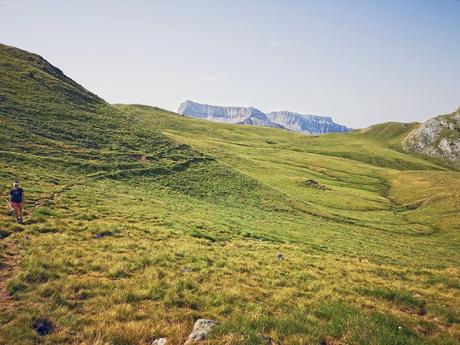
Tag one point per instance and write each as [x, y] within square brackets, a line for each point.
[16, 194]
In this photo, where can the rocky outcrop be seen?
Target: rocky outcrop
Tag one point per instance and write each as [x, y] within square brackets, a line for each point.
[437, 137]
[201, 330]
[308, 124]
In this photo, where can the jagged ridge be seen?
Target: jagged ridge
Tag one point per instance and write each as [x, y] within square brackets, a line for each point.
[308, 124]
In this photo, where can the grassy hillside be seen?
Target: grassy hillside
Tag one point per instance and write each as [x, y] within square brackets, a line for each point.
[141, 221]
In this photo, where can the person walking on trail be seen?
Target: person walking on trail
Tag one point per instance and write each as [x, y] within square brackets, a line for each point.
[17, 200]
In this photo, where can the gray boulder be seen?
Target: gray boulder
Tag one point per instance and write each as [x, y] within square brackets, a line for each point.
[201, 330]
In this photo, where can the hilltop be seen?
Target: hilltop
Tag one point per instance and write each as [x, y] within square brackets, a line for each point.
[437, 137]
[141, 221]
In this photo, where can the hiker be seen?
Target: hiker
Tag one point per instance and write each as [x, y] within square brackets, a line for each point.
[17, 200]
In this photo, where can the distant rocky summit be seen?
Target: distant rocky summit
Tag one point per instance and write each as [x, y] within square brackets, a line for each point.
[308, 124]
[437, 137]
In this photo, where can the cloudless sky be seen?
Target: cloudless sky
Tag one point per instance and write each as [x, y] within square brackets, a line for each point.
[361, 62]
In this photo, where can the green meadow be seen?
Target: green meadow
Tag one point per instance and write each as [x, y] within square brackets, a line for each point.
[141, 221]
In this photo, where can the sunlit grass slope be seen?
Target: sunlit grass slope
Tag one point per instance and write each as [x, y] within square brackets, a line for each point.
[142, 221]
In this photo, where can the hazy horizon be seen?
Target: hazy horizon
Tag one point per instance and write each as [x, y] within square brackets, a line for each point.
[360, 62]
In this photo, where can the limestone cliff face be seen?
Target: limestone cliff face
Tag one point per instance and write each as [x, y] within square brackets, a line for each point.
[308, 124]
[216, 113]
[437, 137]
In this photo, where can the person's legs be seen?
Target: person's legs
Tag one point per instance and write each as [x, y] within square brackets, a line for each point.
[15, 206]
[20, 207]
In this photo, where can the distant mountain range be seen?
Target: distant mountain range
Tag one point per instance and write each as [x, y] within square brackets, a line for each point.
[308, 124]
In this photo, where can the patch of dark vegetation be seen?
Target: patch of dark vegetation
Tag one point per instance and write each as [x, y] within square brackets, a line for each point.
[103, 234]
[406, 207]
[4, 233]
[47, 229]
[401, 298]
[203, 235]
[39, 275]
[260, 237]
[315, 184]
[15, 286]
[43, 327]
[86, 217]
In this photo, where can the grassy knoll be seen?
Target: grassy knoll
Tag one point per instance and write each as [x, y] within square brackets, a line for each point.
[142, 221]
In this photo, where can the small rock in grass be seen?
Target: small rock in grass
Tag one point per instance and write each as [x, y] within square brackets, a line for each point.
[269, 340]
[201, 330]
[43, 326]
[422, 310]
[159, 341]
[104, 234]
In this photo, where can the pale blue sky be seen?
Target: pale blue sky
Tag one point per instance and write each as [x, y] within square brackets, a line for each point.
[361, 62]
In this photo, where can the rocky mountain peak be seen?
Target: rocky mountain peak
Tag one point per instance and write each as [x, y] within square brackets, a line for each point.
[308, 124]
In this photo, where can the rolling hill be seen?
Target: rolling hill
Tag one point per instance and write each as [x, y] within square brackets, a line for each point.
[141, 221]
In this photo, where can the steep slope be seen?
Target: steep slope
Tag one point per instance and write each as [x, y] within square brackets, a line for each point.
[437, 137]
[49, 118]
[43, 111]
[307, 124]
